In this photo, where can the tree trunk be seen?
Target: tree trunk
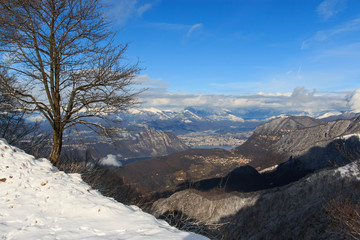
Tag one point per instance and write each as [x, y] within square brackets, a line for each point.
[56, 147]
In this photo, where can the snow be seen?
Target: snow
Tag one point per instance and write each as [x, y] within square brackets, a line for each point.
[229, 117]
[346, 137]
[39, 202]
[192, 115]
[329, 114]
[351, 169]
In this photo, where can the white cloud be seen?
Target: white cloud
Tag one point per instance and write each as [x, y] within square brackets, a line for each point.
[110, 161]
[193, 28]
[278, 94]
[354, 101]
[300, 99]
[329, 8]
[301, 94]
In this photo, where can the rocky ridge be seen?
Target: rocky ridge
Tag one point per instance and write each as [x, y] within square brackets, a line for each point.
[294, 210]
[276, 141]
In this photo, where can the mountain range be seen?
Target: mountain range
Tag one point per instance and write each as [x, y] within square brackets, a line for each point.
[189, 120]
[282, 150]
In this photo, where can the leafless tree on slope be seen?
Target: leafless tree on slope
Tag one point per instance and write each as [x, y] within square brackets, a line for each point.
[58, 58]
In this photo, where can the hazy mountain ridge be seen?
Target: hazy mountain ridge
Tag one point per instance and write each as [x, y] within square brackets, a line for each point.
[134, 145]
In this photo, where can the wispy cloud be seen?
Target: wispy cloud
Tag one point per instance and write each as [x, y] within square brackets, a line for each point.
[144, 8]
[194, 28]
[145, 80]
[184, 29]
[168, 26]
[329, 8]
[123, 10]
[351, 26]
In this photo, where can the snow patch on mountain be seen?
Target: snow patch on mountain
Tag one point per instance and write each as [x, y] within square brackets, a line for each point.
[329, 114]
[346, 137]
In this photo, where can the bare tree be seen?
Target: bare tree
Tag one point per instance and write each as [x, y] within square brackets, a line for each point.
[59, 58]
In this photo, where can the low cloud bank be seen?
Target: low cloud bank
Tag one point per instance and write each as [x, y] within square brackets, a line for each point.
[300, 100]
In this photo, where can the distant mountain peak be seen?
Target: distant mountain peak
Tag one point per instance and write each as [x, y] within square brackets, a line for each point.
[288, 123]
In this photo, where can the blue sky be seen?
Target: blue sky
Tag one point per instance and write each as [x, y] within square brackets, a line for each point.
[243, 47]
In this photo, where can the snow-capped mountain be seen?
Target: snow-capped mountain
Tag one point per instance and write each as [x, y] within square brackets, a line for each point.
[196, 119]
[40, 202]
[188, 120]
[186, 115]
[338, 115]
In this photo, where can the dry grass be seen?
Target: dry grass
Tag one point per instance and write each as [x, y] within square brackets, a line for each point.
[186, 223]
[344, 212]
[345, 216]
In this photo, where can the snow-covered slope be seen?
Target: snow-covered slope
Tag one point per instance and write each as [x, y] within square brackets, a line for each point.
[39, 202]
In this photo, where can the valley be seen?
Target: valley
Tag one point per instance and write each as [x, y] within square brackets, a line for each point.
[288, 159]
[284, 168]
[211, 139]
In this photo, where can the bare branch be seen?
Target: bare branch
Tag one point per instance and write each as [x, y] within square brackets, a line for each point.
[63, 49]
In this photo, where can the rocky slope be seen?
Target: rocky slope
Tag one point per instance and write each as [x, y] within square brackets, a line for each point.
[145, 144]
[139, 145]
[278, 140]
[294, 211]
